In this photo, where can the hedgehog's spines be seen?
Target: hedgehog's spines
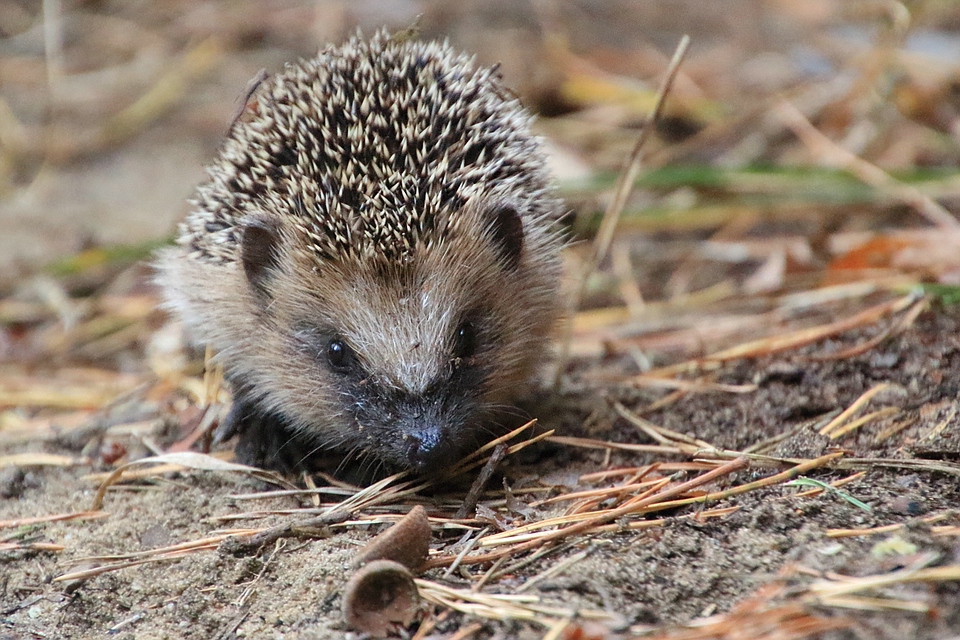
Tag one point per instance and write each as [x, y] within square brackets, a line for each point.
[366, 185]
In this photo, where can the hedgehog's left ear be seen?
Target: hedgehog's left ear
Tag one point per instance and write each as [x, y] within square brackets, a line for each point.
[506, 231]
[260, 251]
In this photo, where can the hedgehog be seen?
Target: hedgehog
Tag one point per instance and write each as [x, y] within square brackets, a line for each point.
[374, 258]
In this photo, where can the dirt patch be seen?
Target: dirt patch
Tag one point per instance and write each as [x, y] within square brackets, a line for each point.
[740, 229]
[674, 573]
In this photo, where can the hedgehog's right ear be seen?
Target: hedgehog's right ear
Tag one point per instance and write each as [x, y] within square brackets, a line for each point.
[506, 231]
[260, 251]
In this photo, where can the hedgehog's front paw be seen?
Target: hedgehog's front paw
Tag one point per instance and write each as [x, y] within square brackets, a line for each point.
[265, 439]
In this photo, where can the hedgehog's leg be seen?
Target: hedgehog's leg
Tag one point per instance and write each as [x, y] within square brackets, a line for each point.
[265, 439]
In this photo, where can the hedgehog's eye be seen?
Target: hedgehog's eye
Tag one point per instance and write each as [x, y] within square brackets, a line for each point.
[339, 355]
[465, 340]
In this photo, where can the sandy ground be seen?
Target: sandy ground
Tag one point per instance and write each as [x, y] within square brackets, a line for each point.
[772, 549]
[669, 574]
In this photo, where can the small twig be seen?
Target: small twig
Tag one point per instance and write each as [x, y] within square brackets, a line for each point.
[238, 546]
[470, 502]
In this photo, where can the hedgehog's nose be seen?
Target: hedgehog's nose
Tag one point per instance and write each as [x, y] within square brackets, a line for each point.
[423, 446]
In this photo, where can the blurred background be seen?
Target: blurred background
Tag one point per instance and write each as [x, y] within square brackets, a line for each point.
[109, 111]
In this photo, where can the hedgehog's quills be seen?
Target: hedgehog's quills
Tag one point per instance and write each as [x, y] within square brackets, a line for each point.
[375, 258]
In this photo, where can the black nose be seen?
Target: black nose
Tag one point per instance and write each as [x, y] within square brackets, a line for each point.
[425, 447]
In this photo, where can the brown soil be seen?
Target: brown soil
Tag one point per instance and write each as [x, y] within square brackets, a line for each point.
[666, 575]
[107, 154]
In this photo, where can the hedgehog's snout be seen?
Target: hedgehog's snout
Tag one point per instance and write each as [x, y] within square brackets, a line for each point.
[428, 434]
[422, 445]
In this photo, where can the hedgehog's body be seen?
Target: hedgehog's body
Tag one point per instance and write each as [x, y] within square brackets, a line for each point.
[375, 256]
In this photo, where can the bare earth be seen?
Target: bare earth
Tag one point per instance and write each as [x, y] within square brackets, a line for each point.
[743, 230]
[666, 575]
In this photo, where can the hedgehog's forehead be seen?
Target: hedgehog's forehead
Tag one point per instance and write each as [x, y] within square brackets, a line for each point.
[400, 322]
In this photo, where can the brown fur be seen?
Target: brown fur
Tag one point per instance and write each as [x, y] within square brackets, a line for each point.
[398, 298]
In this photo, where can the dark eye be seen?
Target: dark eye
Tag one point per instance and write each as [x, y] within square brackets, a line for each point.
[339, 354]
[465, 340]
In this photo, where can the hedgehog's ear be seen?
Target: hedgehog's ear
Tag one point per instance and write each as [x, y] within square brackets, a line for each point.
[260, 251]
[506, 231]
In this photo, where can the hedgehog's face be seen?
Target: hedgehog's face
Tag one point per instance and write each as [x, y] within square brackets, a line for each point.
[408, 363]
[420, 412]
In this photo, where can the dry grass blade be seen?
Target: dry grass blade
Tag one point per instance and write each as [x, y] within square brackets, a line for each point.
[907, 320]
[863, 603]
[589, 443]
[60, 517]
[837, 422]
[918, 464]
[791, 340]
[695, 386]
[186, 460]
[870, 174]
[601, 494]
[943, 530]
[32, 546]
[380, 492]
[161, 554]
[825, 589]
[859, 422]
[707, 455]
[37, 459]
[476, 459]
[501, 606]
[622, 190]
[660, 434]
[555, 570]
[628, 177]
